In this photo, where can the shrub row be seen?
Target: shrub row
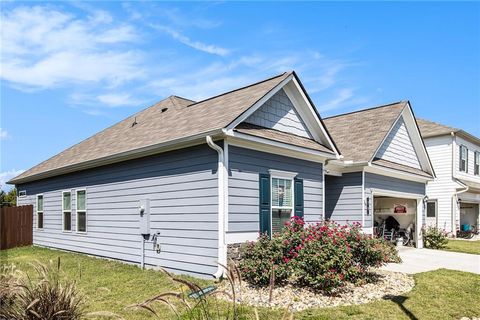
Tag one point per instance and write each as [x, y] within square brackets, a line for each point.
[323, 256]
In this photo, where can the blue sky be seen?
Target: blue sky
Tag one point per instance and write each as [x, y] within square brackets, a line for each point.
[71, 69]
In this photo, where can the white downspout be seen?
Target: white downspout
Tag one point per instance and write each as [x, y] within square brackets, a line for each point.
[222, 255]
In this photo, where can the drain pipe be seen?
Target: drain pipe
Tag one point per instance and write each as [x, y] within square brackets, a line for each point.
[222, 256]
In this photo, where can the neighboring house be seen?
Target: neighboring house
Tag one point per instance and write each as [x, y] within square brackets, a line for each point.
[196, 175]
[383, 172]
[454, 197]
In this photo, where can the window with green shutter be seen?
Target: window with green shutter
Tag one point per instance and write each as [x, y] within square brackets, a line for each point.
[281, 197]
[264, 209]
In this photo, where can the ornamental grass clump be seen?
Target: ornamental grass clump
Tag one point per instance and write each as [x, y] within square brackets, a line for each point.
[322, 256]
[46, 296]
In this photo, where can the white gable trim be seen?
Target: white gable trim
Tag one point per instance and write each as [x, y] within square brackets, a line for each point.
[415, 137]
[302, 106]
[398, 146]
[258, 104]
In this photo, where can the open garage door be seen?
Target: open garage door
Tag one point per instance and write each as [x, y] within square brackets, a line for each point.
[398, 217]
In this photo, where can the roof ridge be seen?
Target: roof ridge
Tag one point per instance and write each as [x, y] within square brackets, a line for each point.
[439, 124]
[98, 133]
[366, 109]
[238, 89]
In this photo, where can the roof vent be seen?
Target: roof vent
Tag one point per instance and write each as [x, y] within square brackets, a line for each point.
[164, 109]
[134, 122]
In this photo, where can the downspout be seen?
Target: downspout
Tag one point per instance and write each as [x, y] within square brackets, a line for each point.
[222, 256]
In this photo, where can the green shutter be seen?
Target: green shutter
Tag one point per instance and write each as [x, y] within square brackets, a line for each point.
[298, 193]
[264, 205]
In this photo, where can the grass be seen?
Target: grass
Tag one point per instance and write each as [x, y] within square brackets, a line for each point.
[110, 286]
[472, 247]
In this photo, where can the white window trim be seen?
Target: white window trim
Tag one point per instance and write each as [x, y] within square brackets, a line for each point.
[85, 210]
[37, 211]
[461, 159]
[435, 201]
[23, 193]
[63, 212]
[285, 175]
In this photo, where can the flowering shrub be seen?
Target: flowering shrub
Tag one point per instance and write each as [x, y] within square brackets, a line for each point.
[434, 238]
[322, 256]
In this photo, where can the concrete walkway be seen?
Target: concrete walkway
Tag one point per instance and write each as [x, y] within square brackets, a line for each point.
[421, 260]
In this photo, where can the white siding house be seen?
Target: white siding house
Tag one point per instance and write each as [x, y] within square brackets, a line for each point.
[454, 196]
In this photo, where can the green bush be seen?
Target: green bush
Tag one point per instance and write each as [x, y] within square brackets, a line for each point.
[320, 256]
[434, 238]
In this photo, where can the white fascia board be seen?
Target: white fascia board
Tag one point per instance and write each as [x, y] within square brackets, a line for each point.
[275, 147]
[396, 174]
[307, 112]
[258, 104]
[417, 140]
[124, 156]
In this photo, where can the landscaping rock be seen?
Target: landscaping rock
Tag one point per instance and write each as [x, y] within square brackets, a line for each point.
[385, 285]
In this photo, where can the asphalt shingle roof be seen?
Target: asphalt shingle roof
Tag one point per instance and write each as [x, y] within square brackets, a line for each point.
[168, 120]
[359, 134]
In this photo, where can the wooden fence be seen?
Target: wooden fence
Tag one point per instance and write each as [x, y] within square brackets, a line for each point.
[16, 227]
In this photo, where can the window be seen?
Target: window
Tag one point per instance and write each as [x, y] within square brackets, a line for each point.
[431, 209]
[463, 159]
[476, 165]
[67, 211]
[282, 202]
[81, 211]
[39, 211]
[22, 193]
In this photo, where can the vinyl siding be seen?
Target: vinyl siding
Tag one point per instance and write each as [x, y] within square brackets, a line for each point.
[380, 182]
[398, 147]
[343, 198]
[443, 187]
[245, 165]
[182, 188]
[469, 175]
[279, 113]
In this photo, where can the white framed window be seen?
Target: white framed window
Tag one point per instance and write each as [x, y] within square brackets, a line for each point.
[81, 201]
[67, 211]
[282, 198]
[22, 193]
[476, 163]
[39, 211]
[431, 209]
[463, 159]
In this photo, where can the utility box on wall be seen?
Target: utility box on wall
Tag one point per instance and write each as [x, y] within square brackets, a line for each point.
[144, 220]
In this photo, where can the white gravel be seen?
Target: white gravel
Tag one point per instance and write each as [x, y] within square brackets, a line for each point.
[297, 299]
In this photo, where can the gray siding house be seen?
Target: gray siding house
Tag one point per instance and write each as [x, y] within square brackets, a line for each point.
[176, 183]
[383, 171]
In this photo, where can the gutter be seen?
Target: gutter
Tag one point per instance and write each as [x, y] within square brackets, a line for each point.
[222, 254]
[119, 157]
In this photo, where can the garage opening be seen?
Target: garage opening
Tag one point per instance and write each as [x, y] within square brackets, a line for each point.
[395, 219]
[469, 216]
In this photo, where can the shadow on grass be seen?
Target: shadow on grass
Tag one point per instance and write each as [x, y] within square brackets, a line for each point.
[400, 301]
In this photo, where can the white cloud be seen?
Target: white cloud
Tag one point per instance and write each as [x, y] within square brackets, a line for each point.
[6, 176]
[43, 47]
[118, 99]
[208, 48]
[341, 96]
[4, 134]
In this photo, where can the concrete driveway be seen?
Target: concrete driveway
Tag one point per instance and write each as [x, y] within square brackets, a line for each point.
[421, 260]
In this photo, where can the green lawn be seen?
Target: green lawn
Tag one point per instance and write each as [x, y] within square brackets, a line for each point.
[110, 286]
[463, 246]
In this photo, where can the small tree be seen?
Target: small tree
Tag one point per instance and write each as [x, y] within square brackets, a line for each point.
[8, 198]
